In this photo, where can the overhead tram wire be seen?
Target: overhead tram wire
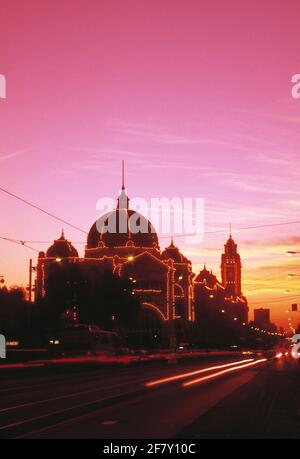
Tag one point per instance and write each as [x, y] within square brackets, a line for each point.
[42, 210]
[19, 242]
[243, 228]
[278, 300]
[225, 230]
[177, 235]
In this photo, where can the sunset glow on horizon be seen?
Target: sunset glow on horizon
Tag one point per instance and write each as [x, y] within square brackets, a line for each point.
[196, 100]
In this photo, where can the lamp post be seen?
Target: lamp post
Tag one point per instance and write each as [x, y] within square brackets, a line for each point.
[293, 310]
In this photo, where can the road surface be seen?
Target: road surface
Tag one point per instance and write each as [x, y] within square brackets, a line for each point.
[258, 401]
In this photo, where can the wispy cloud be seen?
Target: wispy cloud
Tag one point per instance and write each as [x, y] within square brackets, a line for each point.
[94, 158]
[242, 185]
[155, 137]
[14, 154]
[292, 202]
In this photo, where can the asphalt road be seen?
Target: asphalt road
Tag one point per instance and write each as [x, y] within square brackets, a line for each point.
[259, 401]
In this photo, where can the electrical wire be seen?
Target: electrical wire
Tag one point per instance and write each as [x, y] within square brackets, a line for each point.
[42, 210]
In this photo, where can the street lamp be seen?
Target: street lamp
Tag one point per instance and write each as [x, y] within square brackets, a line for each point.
[292, 310]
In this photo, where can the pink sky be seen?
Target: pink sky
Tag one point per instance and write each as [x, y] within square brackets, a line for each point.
[194, 95]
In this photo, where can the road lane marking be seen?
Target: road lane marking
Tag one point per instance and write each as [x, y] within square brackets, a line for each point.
[106, 400]
[83, 423]
[12, 366]
[109, 423]
[81, 378]
[62, 397]
[129, 381]
[193, 373]
[220, 373]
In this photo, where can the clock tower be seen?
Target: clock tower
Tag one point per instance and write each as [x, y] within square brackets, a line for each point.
[231, 268]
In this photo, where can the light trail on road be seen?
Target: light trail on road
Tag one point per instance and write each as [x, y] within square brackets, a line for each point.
[193, 373]
[220, 373]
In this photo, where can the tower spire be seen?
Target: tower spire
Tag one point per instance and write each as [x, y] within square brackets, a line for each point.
[230, 235]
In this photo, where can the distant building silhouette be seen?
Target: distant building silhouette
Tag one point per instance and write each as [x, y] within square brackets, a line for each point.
[262, 317]
[262, 320]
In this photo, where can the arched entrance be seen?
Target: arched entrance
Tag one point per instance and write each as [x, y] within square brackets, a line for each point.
[148, 331]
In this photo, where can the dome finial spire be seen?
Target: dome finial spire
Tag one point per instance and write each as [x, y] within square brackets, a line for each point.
[123, 174]
[230, 230]
[123, 200]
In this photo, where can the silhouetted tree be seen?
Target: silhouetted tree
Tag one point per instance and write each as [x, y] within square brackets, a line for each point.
[14, 313]
[65, 288]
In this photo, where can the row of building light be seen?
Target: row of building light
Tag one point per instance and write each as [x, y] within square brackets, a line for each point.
[256, 329]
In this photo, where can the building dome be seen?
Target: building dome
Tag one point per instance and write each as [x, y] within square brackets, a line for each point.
[121, 228]
[61, 248]
[206, 277]
[174, 253]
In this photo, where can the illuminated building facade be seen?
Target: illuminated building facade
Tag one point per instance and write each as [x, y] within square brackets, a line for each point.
[125, 242]
[211, 295]
[231, 269]
[161, 280]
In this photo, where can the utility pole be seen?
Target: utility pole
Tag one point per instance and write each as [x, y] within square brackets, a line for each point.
[30, 280]
[30, 287]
